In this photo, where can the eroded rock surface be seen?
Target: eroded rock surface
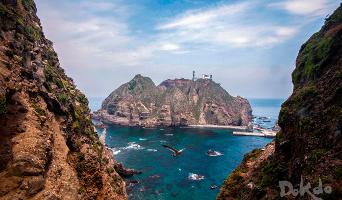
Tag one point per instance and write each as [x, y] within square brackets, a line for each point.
[48, 147]
[176, 102]
[309, 144]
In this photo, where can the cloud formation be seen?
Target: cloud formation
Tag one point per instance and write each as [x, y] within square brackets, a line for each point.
[227, 24]
[103, 43]
[306, 7]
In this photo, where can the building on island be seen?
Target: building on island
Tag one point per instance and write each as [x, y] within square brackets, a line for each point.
[204, 76]
[207, 77]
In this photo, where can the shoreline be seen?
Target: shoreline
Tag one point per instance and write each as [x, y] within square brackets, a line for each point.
[199, 126]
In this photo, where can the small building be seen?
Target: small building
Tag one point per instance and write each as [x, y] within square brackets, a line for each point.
[207, 77]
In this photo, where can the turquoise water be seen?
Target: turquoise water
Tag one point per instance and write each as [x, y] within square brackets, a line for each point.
[167, 177]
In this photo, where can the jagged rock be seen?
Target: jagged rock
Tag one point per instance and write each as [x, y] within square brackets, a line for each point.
[307, 145]
[48, 147]
[178, 102]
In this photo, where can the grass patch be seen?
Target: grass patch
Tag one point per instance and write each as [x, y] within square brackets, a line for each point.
[62, 98]
[39, 110]
[338, 173]
[279, 137]
[316, 155]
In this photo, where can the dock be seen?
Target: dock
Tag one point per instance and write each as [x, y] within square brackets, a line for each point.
[263, 133]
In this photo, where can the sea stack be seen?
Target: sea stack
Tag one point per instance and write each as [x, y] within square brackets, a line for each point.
[178, 102]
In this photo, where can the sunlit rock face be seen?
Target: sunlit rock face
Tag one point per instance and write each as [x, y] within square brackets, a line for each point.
[48, 147]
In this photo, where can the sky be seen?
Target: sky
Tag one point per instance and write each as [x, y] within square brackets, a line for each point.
[249, 47]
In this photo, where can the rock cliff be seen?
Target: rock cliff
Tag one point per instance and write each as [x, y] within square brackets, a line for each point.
[48, 147]
[176, 102]
[309, 144]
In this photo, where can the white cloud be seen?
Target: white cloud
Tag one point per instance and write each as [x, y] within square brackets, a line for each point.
[101, 49]
[305, 7]
[200, 19]
[169, 47]
[229, 25]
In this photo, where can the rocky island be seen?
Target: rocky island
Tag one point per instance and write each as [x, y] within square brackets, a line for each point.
[178, 102]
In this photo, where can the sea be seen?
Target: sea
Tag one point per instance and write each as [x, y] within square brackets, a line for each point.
[194, 174]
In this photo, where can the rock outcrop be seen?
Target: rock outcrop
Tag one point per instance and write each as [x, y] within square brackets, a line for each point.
[178, 102]
[48, 147]
[309, 145]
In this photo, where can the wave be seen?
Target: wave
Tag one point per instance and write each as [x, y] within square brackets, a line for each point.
[133, 145]
[168, 134]
[115, 151]
[142, 139]
[215, 153]
[195, 177]
[152, 150]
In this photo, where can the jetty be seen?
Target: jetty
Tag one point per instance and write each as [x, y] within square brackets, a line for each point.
[263, 133]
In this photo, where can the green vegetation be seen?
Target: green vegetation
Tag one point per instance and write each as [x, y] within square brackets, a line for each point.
[81, 190]
[279, 137]
[4, 10]
[132, 84]
[76, 126]
[304, 122]
[283, 114]
[49, 73]
[39, 110]
[59, 84]
[26, 3]
[252, 155]
[313, 55]
[316, 155]
[266, 181]
[62, 98]
[338, 173]
[3, 105]
[33, 33]
[110, 170]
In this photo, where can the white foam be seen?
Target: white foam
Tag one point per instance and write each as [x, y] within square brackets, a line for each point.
[152, 150]
[133, 145]
[168, 134]
[195, 177]
[115, 151]
[142, 139]
[216, 153]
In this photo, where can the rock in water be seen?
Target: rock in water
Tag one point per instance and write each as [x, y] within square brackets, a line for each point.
[48, 147]
[309, 144]
[176, 102]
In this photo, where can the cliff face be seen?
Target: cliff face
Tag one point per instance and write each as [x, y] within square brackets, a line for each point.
[48, 147]
[173, 103]
[309, 144]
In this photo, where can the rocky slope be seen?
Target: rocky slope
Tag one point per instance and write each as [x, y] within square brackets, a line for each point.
[309, 145]
[48, 147]
[173, 103]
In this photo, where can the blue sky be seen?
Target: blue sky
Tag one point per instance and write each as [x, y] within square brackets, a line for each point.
[249, 47]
